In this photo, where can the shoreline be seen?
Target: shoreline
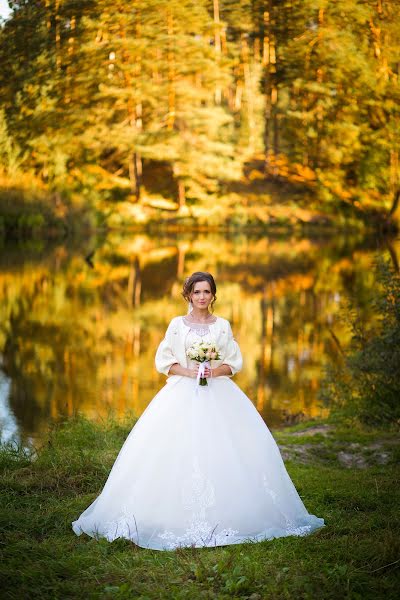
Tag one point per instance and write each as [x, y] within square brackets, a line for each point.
[34, 212]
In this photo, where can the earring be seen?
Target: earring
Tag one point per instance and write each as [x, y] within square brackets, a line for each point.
[212, 304]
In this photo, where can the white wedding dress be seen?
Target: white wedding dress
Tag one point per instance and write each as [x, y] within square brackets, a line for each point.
[200, 468]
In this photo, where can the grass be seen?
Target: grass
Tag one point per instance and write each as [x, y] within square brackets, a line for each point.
[355, 556]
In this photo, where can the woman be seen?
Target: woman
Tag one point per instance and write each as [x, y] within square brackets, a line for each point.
[200, 467]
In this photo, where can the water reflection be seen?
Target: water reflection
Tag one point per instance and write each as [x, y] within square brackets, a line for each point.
[8, 424]
[80, 323]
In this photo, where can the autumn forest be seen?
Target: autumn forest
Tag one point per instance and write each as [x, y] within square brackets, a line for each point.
[211, 112]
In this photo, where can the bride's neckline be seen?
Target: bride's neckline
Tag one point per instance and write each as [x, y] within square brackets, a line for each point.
[204, 323]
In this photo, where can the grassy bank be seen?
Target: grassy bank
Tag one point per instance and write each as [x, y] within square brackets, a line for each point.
[355, 556]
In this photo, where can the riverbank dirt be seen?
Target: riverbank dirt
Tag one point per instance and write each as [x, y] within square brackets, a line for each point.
[323, 444]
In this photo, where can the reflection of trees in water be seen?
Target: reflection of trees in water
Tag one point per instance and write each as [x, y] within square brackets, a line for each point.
[75, 337]
[45, 358]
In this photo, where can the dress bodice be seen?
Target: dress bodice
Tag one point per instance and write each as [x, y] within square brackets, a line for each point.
[198, 332]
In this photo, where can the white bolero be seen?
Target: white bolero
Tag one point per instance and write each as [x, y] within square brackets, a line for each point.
[172, 348]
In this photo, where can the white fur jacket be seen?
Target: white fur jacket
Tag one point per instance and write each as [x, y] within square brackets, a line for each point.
[172, 348]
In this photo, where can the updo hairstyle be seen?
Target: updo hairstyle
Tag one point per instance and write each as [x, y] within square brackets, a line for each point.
[194, 278]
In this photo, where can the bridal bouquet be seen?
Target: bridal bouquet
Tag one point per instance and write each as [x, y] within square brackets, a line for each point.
[203, 352]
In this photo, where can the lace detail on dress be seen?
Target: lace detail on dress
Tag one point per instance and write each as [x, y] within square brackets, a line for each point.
[198, 494]
[125, 527]
[201, 329]
[291, 528]
[198, 534]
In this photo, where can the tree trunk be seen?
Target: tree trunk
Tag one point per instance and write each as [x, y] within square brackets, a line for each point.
[275, 121]
[395, 204]
[58, 35]
[134, 283]
[135, 174]
[270, 89]
[71, 56]
[248, 90]
[133, 106]
[217, 42]
[181, 193]
[393, 255]
[171, 71]
[394, 170]
[319, 110]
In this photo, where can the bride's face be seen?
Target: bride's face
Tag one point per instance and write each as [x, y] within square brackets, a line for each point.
[201, 295]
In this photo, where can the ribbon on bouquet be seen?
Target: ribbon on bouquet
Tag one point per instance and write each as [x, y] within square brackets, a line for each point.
[202, 370]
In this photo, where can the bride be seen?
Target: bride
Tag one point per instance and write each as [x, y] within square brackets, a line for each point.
[200, 467]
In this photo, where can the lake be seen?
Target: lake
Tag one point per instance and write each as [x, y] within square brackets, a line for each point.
[81, 320]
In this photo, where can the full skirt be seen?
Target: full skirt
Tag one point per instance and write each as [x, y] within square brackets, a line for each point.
[200, 468]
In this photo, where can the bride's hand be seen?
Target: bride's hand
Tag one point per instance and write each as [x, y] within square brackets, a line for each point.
[207, 372]
[193, 372]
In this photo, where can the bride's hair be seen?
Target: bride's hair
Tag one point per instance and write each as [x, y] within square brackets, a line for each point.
[195, 278]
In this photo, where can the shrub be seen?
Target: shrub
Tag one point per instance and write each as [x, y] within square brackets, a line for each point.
[365, 384]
